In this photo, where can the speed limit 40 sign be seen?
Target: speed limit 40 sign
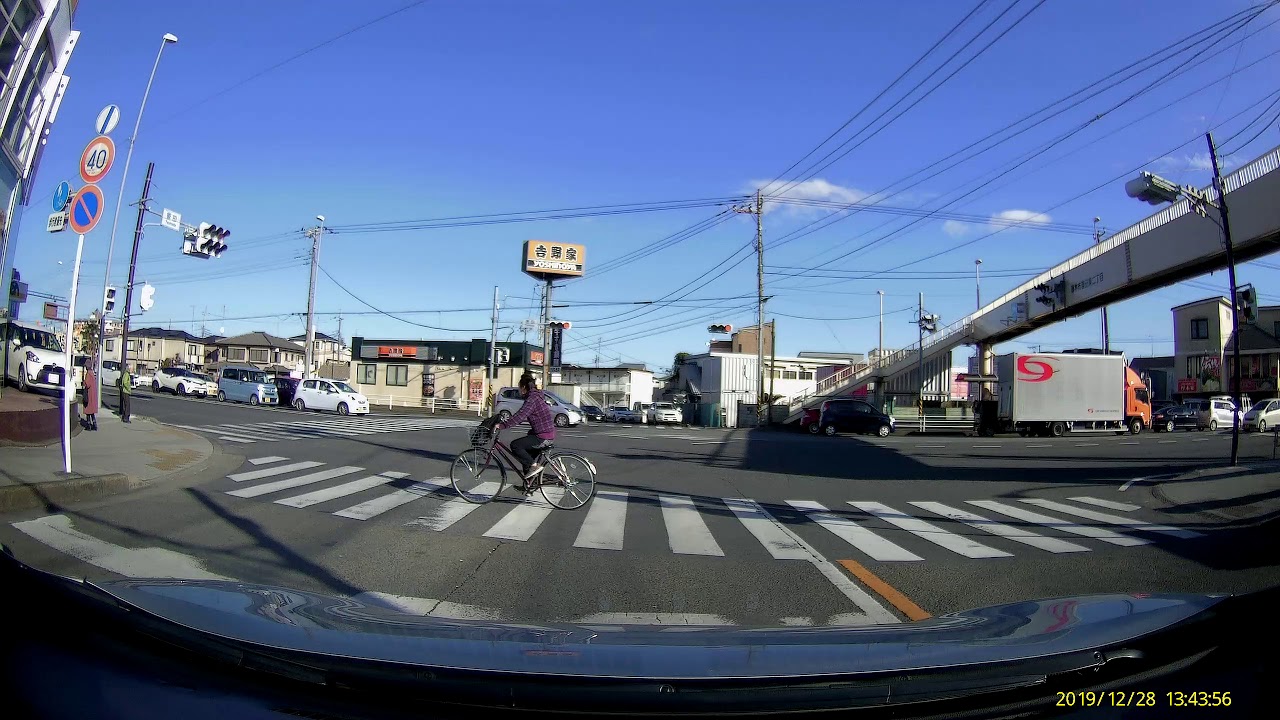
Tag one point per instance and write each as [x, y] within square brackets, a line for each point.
[95, 161]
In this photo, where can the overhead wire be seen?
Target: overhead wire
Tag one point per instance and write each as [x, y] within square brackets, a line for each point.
[393, 316]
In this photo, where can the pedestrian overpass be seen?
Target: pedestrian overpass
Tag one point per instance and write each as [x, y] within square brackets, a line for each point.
[1172, 245]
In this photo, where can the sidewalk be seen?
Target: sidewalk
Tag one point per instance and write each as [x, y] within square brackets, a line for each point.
[1243, 492]
[116, 458]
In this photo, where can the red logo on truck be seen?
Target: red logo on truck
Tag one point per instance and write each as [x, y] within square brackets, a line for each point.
[1033, 370]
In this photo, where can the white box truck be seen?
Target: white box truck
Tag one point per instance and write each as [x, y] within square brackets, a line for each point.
[1050, 394]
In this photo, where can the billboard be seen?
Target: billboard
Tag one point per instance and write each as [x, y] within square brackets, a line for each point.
[546, 260]
[397, 352]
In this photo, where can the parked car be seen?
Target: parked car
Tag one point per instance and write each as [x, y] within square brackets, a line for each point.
[1264, 414]
[809, 421]
[565, 413]
[853, 416]
[1215, 413]
[141, 380]
[110, 373]
[181, 381]
[1162, 404]
[664, 412]
[77, 370]
[595, 412]
[1168, 419]
[246, 383]
[623, 414]
[330, 395]
[36, 357]
[286, 387]
[642, 410]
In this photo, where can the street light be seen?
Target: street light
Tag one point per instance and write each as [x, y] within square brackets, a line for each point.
[1153, 189]
[124, 176]
[977, 281]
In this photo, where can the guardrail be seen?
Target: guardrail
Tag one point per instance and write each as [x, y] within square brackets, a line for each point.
[430, 404]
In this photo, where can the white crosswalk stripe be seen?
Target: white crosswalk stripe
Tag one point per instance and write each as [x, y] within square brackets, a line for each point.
[334, 426]
[885, 534]
[934, 534]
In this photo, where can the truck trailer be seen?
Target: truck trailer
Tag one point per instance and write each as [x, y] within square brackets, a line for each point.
[1051, 394]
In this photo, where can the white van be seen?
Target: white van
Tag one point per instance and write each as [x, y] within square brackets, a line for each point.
[35, 357]
[564, 413]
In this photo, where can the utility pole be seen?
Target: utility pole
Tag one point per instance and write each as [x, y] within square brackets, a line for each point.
[492, 369]
[920, 360]
[128, 289]
[546, 334]
[309, 352]
[758, 211]
[1106, 331]
[977, 282]
[1235, 303]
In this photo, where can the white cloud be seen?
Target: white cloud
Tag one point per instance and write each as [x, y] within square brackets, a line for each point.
[955, 228]
[814, 189]
[1025, 218]
[1194, 161]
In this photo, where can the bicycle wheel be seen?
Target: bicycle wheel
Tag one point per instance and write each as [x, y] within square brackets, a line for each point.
[568, 481]
[477, 475]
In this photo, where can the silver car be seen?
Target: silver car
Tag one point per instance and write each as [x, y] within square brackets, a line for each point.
[1214, 413]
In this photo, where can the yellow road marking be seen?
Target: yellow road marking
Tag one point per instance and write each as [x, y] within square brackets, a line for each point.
[885, 590]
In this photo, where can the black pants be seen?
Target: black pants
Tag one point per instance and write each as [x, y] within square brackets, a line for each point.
[526, 448]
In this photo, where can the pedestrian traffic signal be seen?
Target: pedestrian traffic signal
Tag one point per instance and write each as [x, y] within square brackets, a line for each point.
[1247, 302]
[560, 324]
[109, 300]
[720, 329]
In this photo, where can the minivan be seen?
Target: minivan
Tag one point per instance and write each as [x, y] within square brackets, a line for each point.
[246, 383]
[563, 412]
[853, 416]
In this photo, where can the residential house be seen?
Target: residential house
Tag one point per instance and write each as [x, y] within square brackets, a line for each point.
[153, 348]
[327, 350]
[1203, 346]
[624, 384]
[264, 350]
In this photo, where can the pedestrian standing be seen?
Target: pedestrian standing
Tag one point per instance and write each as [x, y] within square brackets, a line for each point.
[126, 387]
[91, 391]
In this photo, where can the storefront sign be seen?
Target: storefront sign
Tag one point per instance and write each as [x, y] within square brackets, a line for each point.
[428, 384]
[476, 391]
[536, 357]
[397, 352]
[544, 259]
[1187, 385]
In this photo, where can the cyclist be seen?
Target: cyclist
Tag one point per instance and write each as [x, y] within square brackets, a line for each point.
[541, 434]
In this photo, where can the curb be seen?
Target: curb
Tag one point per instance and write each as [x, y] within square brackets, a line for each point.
[1156, 488]
[76, 489]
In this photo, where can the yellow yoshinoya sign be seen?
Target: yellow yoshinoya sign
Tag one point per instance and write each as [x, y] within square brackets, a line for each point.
[544, 258]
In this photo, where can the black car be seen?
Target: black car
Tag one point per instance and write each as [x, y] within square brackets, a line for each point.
[285, 387]
[853, 416]
[1170, 418]
[593, 412]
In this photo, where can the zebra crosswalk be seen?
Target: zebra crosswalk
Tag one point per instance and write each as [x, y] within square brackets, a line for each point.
[327, 427]
[906, 532]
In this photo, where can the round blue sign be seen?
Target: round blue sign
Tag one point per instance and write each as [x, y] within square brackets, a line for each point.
[60, 196]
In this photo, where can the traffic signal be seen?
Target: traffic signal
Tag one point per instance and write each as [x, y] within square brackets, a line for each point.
[929, 323]
[504, 356]
[720, 329]
[1247, 302]
[1054, 295]
[211, 239]
[109, 300]
[1152, 189]
[560, 324]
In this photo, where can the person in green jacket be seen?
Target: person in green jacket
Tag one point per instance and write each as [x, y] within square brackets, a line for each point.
[126, 388]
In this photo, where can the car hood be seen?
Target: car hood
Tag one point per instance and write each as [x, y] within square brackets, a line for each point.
[374, 629]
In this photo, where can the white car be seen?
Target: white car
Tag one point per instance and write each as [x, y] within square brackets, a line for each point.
[111, 373]
[623, 414]
[1214, 413]
[36, 357]
[664, 412]
[140, 380]
[330, 395]
[1264, 414]
[181, 381]
[563, 412]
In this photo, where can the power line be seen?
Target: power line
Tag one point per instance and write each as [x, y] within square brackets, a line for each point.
[369, 305]
[909, 308]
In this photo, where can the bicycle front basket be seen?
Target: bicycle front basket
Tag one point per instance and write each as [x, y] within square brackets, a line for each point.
[480, 436]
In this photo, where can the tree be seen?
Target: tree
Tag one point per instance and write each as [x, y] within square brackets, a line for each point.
[680, 359]
[87, 335]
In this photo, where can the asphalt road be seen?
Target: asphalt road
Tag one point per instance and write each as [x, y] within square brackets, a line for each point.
[689, 525]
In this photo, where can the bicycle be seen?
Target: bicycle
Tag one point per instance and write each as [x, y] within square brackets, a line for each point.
[571, 484]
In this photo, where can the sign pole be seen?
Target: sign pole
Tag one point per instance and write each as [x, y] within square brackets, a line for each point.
[546, 335]
[68, 387]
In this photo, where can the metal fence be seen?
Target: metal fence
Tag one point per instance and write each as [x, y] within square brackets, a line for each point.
[429, 404]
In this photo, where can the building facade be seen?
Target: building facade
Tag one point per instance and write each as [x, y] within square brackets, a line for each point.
[153, 348]
[327, 350]
[36, 42]
[608, 386]
[271, 353]
[1203, 347]
[448, 372]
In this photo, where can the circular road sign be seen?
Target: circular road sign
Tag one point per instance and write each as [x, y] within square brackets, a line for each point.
[107, 120]
[61, 196]
[95, 161]
[86, 209]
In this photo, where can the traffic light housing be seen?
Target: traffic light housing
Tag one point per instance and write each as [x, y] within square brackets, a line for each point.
[1054, 295]
[1247, 302]
[560, 324]
[720, 329]
[1152, 189]
[929, 323]
[503, 356]
[207, 241]
[109, 300]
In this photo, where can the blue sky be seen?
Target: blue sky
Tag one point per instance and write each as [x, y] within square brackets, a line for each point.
[452, 108]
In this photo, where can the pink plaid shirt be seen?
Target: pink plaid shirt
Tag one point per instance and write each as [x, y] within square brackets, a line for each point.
[538, 413]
